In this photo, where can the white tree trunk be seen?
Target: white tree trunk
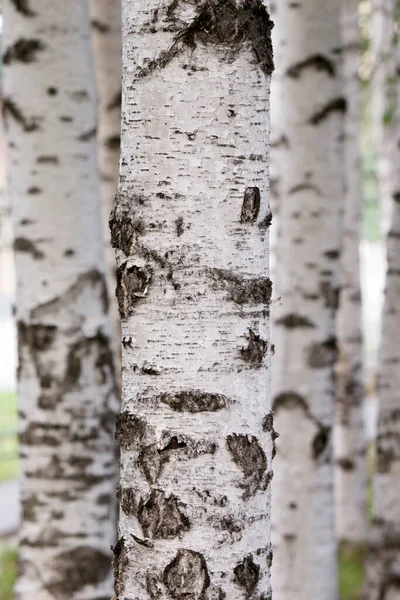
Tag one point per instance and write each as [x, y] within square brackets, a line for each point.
[190, 226]
[350, 443]
[309, 121]
[106, 38]
[66, 381]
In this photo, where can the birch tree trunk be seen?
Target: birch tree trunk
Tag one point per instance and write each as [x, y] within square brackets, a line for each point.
[310, 118]
[190, 228]
[66, 384]
[350, 466]
[106, 38]
[383, 567]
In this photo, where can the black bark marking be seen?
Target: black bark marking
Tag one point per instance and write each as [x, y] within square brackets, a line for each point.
[29, 506]
[69, 252]
[120, 564]
[266, 221]
[268, 422]
[129, 500]
[97, 345]
[251, 205]
[396, 197]
[194, 401]
[347, 464]
[290, 400]
[124, 229]
[150, 462]
[34, 190]
[160, 516]
[129, 430]
[113, 142]
[173, 444]
[132, 285]
[115, 102]
[305, 187]
[330, 294]
[320, 442]
[179, 226]
[249, 456]
[186, 576]
[323, 354]
[256, 349]
[38, 337]
[23, 50]
[52, 91]
[332, 254]
[316, 61]
[295, 321]
[22, 6]
[336, 105]
[77, 568]
[22, 244]
[225, 25]
[87, 135]
[12, 110]
[242, 290]
[49, 159]
[247, 574]
[99, 26]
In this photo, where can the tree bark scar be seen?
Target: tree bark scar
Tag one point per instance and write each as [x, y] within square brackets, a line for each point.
[323, 354]
[256, 350]
[247, 574]
[22, 6]
[251, 205]
[336, 105]
[186, 576]
[179, 226]
[132, 285]
[77, 568]
[129, 500]
[161, 516]
[225, 24]
[129, 430]
[10, 109]
[249, 456]
[23, 50]
[194, 401]
[242, 290]
[295, 321]
[120, 564]
[320, 442]
[316, 61]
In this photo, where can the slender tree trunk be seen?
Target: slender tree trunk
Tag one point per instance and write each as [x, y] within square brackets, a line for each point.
[66, 381]
[190, 226]
[310, 118]
[383, 575]
[106, 38]
[350, 473]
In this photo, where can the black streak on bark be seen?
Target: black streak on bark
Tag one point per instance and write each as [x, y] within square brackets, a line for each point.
[316, 61]
[120, 564]
[323, 354]
[194, 401]
[336, 105]
[22, 6]
[160, 516]
[99, 26]
[77, 568]
[227, 26]
[23, 50]
[256, 349]
[116, 101]
[249, 456]
[179, 226]
[320, 442]
[132, 285]
[87, 135]
[27, 246]
[11, 109]
[247, 574]
[330, 294]
[128, 499]
[295, 321]
[251, 205]
[129, 430]
[186, 576]
[113, 142]
[242, 290]
[124, 229]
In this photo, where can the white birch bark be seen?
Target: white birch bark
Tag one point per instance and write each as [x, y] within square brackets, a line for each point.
[66, 382]
[106, 39]
[309, 119]
[350, 443]
[190, 226]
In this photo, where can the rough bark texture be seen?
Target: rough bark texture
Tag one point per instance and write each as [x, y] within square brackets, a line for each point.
[308, 135]
[383, 571]
[66, 384]
[350, 442]
[106, 39]
[191, 237]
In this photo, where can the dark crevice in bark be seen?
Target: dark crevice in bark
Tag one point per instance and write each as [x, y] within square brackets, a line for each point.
[34, 191]
[186, 576]
[295, 321]
[194, 401]
[124, 228]
[318, 62]
[113, 142]
[266, 221]
[129, 500]
[99, 26]
[249, 456]
[251, 205]
[346, 464]
[87, 135]
[28, 247]
[22, 6]
[129, 430]
[323, 354]
[120, 564]
[77, 568]
[115, 102]
[48, 159]
[247, 574]
[179, 226]
[242, 290]
[330, 294]
[320, 442]
[336, 105]
[224, 24]
[23, 50]
[256, 349]
[161, 516]
[132, 285]
[10, 109]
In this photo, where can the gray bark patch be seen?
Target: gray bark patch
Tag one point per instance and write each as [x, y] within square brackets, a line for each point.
[251, 205]
[319, 62]
[186, 576]
[22, 6]
[295, 321]
[247, 574]
[120, 564]
[266, 221]
[256, 349]
[324, 354]
[242, 290]
[23, 50]
[22, 244]
[87, 135]
[161, 517]
[330, 294]
[132, 285]
[113, 142]
[346, 464]
[249, 456]
[336, 105]
[150, 463]
[179, 226]
[99, 26]
[289, 400]
[11, 110]
[124, 229]
[77, 568]
[194, 401]
[129, 430]
[128, 499]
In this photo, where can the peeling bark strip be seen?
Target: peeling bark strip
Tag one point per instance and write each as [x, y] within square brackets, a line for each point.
[251, 205]
[23, 50]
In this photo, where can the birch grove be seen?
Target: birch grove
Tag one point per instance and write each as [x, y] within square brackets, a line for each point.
[66, 384]
[309, 120]
[190, 228]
